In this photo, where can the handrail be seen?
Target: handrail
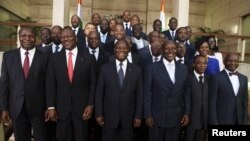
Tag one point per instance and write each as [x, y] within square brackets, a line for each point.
[11, 23]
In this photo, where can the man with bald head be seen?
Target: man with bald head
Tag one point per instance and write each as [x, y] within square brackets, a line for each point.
[70, 89]
[228, 95]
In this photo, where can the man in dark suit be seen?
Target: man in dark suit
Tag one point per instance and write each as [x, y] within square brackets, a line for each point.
[70, 89]
[171, 33]
[126, 23]
[118, 99]
[228, 95]
[198, 93]
[22, 83]
[182, 57]
[56, 45]
[75, 23]
[165, 103]
[45, 36]
[119, 35]
[105, 36]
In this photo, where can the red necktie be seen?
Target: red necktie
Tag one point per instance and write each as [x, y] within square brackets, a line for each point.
[70, 67]
[26, 65]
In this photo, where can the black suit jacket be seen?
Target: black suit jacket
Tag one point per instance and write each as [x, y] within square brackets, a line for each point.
[17, 92]
[103, 58]
[119, 104]
[66, 96]
[223, 102]
[109, 38]
[46, 49]
[163, 100]
[199, 102]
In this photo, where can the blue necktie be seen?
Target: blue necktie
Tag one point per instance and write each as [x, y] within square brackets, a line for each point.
[121, 74]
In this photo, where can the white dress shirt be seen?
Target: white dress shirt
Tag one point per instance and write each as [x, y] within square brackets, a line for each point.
[103, 37]
[75, 30]
[124, 66]
[96, 52]
[234, 79]
[31, 55]
[74, 54]
[170, 66]
[128, 25]
[197, 76]
[129, 57]
[177, 59]
[139, 43]
[54, 47]
[158, 58]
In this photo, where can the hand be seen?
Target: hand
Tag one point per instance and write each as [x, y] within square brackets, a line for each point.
[100, 121]
[87, 112]
[6, 117]
[150, 122]
[185, 120]
[137, 122]
[51, 114]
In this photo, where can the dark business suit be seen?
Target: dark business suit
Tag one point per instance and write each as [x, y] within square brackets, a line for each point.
[119, 105]
[163, 100]
[190, 50]
[81, 40]
[168, 35]
[223, 102]
[24, 99]
[199, 108]
[102, 59]
[109, 38]
[70, 99]
[136, 59]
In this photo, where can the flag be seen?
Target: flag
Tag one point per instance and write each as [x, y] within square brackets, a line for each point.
[79, 5]
[162, 15]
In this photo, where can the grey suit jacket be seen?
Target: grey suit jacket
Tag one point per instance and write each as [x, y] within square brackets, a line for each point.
[224, 106]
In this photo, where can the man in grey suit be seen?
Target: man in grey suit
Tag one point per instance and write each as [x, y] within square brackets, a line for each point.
[164, 84]
[22, 88]
[119, 96]
[228, 95]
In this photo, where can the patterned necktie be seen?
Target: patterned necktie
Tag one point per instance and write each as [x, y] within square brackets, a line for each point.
[172, 35]
[70, 67]
[121, 74]
[26, 65]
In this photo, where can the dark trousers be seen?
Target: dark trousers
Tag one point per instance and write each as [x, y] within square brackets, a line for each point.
[23, 123]
[51, 131]
[164, 134]
[73, 128]
[118, 134]
[195, 134]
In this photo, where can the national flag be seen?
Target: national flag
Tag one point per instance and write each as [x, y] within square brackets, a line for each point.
[79, 5]
[162, 15]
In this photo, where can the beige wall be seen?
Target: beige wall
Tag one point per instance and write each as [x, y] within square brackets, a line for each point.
[19, 7]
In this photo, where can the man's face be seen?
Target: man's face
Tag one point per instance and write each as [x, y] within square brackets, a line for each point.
[231, 62]
[121, 51]
[154, 36]
[104, 26]
[157, 26]
[119, 32]
[75, 21]
[126, 16]
[27, 38]
[68, 39]
[169, 51]
[200, 65]
[173, 24]
[137, 31]
[93, 40]
[182, 34]
[156, 48]
[55, 35]
[96, 19]
[89, 28]
[181, 50]
[189, 32]
[46, 36]
[134, 21]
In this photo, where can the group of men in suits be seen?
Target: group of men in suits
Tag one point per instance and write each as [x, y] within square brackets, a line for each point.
[73, 77]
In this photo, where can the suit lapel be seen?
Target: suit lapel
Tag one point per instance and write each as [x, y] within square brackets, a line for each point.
[241, 84]
[78, 64]
[115, 75]
[228, 82]
[19, 66]
[164, 73]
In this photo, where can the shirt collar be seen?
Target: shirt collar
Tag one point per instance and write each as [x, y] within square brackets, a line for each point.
[32, 51]
[125, 62]
[97, 49]
[197, 74]
[165, 61]
[74, 51]
[227, 71]
[103, 34]
[177, 58]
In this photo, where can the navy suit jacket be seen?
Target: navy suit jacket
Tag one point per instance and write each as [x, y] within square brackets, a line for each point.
[66, 96]
[168, 35]
[115, 103]
[17, 92]
[163, 100]
[224, 106]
